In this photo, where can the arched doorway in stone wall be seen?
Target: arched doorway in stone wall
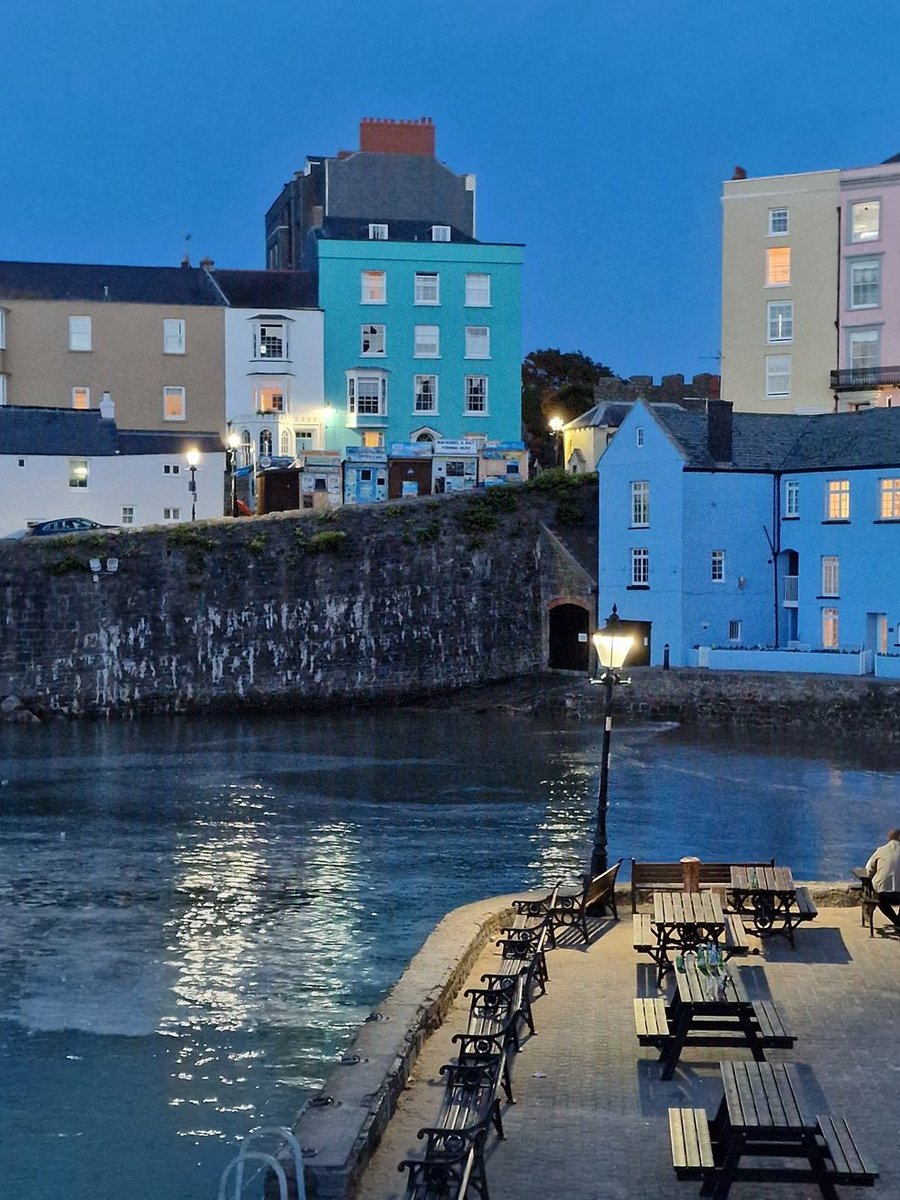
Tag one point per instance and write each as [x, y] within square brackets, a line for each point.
[569, 628]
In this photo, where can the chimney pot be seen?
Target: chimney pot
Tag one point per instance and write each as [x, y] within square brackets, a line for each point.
[207, 264]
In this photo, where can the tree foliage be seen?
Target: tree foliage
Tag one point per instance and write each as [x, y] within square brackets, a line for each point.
[557, 383]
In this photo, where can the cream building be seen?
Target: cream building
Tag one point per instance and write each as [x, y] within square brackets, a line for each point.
[780, 254]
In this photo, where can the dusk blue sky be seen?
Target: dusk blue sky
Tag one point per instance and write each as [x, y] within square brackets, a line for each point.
[600, 133]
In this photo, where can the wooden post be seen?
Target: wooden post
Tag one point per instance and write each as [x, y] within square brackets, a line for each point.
[690, 867]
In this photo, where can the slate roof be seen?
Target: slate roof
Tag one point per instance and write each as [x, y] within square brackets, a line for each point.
[610, 414]
[268, 289]
[67, 431]
[89, 281]
[785, 442]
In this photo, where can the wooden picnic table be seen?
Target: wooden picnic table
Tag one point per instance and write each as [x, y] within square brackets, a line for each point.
[769, 900]
[710, 1010]
[684, 920]
[765, 1130]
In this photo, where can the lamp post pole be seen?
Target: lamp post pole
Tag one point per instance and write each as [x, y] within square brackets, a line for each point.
[193, 461]
[612, 644]
[234, 440]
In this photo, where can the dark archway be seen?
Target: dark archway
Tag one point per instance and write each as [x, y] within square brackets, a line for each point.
[569, 642]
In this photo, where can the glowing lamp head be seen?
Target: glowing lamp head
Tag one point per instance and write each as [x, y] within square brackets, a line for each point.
[233, 440]
[556, 424]
[193, 457]
[612, 642]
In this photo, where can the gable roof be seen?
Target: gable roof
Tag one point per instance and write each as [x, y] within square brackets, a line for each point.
[785, 442]
[38, 432]
[93, 282]
[611, 413]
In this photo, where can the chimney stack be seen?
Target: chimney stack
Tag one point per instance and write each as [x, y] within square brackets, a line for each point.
[107, 408]
[719, 430]
[386, 136]
[207, 264]
[186, 261]
[739, 173]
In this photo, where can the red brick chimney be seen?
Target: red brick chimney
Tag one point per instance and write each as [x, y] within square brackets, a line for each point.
[387, 136]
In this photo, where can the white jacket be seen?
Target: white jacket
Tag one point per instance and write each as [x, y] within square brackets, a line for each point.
[886, 864]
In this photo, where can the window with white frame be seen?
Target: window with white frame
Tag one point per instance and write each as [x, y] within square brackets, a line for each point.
[778, 221]
[864, 349]
[735, 632]
[373, 287]
[2, 328]
[366, 394]
[127, 514]
[865, 282]
[717, 566]
[865, 221]
[780, 314]
[173, 335]
[246, 450]
[285, 446]
[640, 567]
[427, 341]
[425, 398]
[640, 502]
[171, 468]
[171, 514]
[792, 498]
[478, 341]
[81, 397]
[478, 291]
[2, 390]
[890, 499]
[427, 288]
[270, 400]
[778, 374]
[778, 266]
[830, 637]
[372, 341]
[79, 472]
[174, 404]
[378, 232]
[265, 443]
[831, 571]
[440, 233]
[270, 340]
[837, 500]
[476, 395]
[304, 439]
[639, 436]
[80, 336]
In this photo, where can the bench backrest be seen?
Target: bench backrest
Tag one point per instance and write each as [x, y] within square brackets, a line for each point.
[670, 876]
[600, 886]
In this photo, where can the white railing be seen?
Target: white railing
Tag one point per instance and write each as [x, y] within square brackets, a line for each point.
[266, 1160]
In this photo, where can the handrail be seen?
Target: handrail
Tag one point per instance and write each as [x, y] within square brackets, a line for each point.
[245, 1152]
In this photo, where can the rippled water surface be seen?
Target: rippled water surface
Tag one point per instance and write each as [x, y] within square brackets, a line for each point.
[195, 915]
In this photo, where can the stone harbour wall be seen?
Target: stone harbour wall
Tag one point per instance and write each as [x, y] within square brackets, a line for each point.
[291, 610]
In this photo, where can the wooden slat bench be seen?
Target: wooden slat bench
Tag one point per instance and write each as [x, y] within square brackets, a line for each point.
[651, 1020]
[773, 1030]
[597, 896]
[669, 877]
[692, 1152]
[847, 1164]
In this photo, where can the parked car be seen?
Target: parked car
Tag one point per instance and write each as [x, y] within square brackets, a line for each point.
[66, 525]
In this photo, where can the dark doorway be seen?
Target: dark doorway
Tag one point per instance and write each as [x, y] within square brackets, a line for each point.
[569, 644]
[639, 654]
[409, 477]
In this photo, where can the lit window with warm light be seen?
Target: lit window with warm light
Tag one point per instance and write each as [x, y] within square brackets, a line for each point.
[373, 287]
[865, 221]
[174, 404]
[778, 266]
[837, 500]
[81, 397]
[830, 628]
[79, 472]
[890, 499]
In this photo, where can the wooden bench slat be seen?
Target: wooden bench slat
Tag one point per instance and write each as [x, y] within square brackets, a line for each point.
[692, 1152]
[651, 1020]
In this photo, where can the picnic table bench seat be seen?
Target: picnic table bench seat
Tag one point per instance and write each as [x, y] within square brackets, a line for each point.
[773, 1030]
[651, 1020]
[846, 1163]
[692, 1151]
[669, 877]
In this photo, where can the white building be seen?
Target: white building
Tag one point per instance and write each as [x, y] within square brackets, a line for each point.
[58, 462]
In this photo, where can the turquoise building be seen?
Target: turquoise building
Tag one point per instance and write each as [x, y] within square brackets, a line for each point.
[422, 336]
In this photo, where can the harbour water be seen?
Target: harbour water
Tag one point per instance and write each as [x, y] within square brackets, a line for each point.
[195, 915]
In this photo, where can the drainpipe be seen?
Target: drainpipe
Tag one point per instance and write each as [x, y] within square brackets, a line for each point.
[776, 549]
[837, 307]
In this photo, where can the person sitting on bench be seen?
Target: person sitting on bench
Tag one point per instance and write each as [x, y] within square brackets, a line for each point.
[885, 865]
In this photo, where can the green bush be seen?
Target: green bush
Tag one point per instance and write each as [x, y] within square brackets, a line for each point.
[329, 541]
[570, 511]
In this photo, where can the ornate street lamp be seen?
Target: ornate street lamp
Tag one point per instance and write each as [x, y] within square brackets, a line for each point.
[193, 462]
[556, 424]
[612, 644]
[232, 442]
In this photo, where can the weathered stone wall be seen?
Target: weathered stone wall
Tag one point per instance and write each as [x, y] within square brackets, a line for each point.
[387, 603]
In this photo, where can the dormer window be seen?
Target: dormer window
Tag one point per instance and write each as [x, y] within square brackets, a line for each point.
[378, 233]
[440, 233]
[270, 340]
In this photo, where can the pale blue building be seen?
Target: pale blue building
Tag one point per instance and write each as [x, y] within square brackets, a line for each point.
[722, 534]
[422, 336]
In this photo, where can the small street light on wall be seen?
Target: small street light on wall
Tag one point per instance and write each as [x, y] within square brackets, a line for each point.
[556, 425]
[612, 643]
[193, 462]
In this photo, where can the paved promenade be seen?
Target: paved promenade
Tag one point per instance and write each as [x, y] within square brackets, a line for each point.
[590, 1119]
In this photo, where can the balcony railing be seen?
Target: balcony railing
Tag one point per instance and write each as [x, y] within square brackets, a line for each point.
[790, 590]
[863, 378]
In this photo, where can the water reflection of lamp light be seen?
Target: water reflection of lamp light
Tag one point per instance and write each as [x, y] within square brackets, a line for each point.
[612, 643]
